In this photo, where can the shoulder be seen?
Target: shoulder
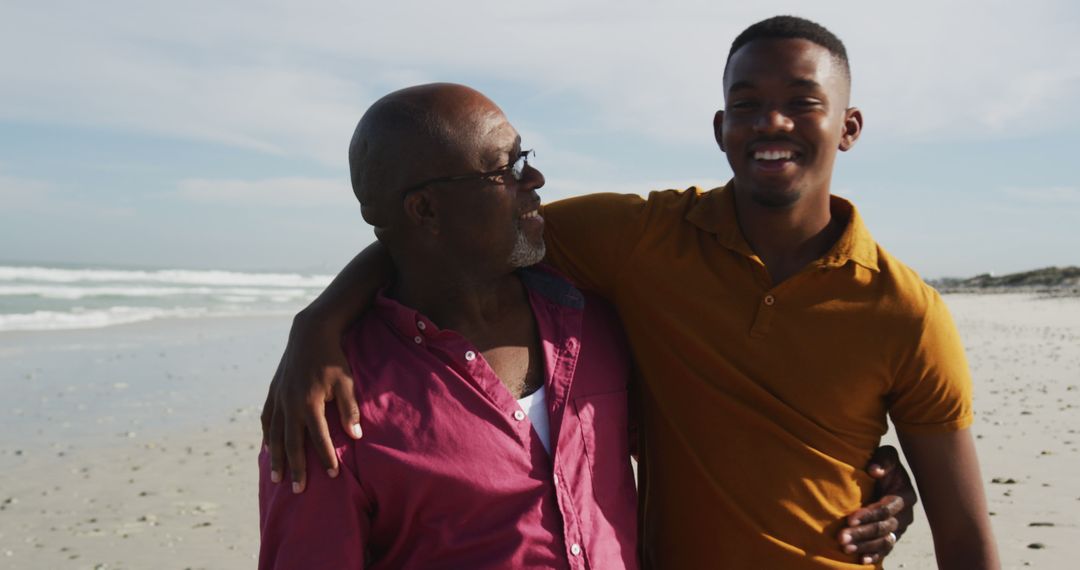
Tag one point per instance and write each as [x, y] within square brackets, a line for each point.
[559, 289]
[908, 298]
[611, 203]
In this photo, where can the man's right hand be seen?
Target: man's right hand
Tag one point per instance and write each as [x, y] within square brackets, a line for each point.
[313, 370]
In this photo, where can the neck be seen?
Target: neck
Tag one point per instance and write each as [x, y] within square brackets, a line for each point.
[788, 238]
[454, 299]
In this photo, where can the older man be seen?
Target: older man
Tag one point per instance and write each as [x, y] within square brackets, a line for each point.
[497, 393]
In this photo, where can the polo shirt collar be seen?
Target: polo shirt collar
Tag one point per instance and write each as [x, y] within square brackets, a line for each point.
[714, 212]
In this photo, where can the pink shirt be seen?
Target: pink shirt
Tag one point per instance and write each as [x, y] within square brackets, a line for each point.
[450, 473]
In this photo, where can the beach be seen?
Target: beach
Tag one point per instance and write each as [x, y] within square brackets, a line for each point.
[134, 445]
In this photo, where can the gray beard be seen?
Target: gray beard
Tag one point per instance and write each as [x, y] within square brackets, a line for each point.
[524, 253]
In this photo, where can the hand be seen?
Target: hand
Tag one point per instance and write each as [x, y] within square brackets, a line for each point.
[312, 371]
[872, 531]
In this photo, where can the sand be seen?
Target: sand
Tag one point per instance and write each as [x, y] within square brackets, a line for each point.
[134, 446]
[1024, 354]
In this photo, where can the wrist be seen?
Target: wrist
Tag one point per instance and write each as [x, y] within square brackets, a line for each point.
[319, 319]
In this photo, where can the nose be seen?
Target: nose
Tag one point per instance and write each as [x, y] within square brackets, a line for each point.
[532, 178]
[771, 121]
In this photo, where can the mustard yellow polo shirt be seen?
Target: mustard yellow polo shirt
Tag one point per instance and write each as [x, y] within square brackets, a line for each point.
[761, 404]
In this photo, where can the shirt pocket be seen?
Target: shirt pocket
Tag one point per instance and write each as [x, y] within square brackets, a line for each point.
[602, 419]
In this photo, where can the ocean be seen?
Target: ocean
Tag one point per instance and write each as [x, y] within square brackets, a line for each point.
[38, 298]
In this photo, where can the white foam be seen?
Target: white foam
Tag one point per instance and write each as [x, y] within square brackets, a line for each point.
[73, 292]
[167, 276]
[89, 319]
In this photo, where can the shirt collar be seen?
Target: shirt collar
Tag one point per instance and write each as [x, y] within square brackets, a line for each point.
[714, 212]
[540, 279]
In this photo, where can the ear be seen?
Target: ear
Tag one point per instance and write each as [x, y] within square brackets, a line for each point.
[853, 123]
[420, 211]
[718, 128]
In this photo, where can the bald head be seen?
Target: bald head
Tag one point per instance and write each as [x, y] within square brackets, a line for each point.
[413, 135]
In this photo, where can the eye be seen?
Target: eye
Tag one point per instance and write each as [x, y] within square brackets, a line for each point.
[742, 104]
[806, 103]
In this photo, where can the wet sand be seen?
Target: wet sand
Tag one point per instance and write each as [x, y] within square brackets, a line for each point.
[134, 446]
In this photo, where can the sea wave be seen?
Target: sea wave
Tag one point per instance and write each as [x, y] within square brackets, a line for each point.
[90, 319]
[39, 298]
[50, 291]
[165, 276]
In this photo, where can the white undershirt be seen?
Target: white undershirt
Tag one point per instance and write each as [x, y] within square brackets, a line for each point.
[535, 405]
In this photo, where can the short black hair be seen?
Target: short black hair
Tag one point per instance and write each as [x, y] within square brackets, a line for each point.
[792, 27]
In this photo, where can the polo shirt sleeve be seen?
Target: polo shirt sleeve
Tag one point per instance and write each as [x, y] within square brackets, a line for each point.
[932, 392]
[590, 238]
[326, 526]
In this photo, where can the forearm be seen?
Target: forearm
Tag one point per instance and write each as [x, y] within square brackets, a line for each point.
[946, 471]
[351, 292]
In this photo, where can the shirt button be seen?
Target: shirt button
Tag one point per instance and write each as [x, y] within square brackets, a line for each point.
[417, 339]
[519, 415]
[556, 478]
[575, 549]
[571, 344]
[770, 300]
[470, 356]
[421, 325]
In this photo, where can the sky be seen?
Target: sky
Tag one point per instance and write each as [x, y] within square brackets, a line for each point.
[213, 134]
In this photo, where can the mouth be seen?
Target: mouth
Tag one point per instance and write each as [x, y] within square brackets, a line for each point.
[774, 158]
[531, 215]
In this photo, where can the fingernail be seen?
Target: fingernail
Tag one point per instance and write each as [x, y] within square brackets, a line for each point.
[331, 472]
[296, 488]
[855, 522]
[849, 548]
[867, 560]
[845, 538]
[275, 476]
[356, 432]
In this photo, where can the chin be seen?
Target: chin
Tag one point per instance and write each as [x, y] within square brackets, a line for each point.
[775, 198]
[526, 252]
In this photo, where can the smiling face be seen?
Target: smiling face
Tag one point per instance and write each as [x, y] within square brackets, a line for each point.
[786, 115]
[492, 221]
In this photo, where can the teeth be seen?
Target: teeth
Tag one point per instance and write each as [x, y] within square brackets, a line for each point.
[532, 214]
[773, 155]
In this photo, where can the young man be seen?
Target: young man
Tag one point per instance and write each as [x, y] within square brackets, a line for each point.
[773, 335]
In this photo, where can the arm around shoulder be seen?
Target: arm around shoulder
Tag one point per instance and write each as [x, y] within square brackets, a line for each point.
[314, 369]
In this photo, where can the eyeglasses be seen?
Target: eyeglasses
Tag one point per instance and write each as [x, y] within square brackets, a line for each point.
[515, 169]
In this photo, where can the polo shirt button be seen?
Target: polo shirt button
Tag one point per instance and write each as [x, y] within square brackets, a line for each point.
[470, 355]
[519, 415]
[417, 339]
[421, 325]
[556, 478]
[770, 300]
[575, 549]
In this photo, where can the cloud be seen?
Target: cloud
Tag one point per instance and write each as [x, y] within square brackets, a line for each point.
[22, 193]
[290, 79]
[557, 189]
[291, 192]
[21, 196]
[1045, 196]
